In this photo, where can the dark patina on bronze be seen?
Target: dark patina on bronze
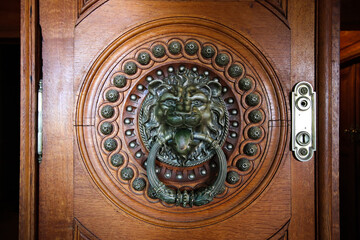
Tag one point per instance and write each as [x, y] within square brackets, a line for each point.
[183, 104]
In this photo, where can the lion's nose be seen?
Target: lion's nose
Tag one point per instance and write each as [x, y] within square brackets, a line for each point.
[183, 107]
[180, 107]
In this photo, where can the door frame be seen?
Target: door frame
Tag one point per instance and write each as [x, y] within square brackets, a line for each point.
[327, 87]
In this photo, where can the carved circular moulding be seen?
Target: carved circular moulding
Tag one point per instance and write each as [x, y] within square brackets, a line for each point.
[172, 77]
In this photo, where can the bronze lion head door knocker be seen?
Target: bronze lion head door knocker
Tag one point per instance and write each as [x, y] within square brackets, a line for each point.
[183, 123]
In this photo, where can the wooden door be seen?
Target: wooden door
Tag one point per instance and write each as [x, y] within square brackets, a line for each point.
[107, 66]
[349, 133]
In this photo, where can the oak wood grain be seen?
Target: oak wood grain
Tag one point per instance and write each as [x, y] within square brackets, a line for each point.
[57, 19]
[91, 39]
[28, 161]
[303, 49]
[69, 189]
[328, 30]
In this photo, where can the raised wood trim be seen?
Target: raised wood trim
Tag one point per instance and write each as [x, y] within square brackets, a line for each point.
[278, 8]
[282, 234]
[85, 7]
[328, 88]
[349, 46]
[28, 165]
[81, 232]
[57, 20]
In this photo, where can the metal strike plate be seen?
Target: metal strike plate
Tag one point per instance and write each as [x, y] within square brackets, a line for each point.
[303, 109]
[39, 124]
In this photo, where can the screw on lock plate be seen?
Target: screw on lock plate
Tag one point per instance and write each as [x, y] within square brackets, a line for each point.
[303, 121]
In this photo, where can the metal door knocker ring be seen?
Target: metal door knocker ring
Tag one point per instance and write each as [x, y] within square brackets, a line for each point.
[198, 197]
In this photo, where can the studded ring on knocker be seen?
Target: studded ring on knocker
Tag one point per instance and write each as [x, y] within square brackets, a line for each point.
[197, 197]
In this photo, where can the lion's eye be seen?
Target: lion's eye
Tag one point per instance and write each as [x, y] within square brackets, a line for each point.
[169, 102]
[197, 103]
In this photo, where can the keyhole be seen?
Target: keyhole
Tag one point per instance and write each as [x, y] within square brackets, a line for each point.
[303, 138]
[303, 103]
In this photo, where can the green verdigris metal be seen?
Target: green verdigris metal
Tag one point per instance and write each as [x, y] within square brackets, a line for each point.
[172, 196]
[184, 103]
[183, 122]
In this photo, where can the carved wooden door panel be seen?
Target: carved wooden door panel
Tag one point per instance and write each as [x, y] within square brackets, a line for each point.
[172, 119]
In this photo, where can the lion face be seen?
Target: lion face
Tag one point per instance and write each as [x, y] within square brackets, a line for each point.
[183, 104]
[183, 107]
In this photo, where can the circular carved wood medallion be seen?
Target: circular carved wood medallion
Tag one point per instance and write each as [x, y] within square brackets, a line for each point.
[115, 98]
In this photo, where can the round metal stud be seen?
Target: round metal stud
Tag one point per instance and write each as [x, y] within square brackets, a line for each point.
[129, 108]
[207, 51]
[255, 116]
[235, 124]
[130, 68]
[143, 58]
[138, 154]
[232, 177]
[203, 172]
[206, 73]
[182, 68]
[194, 69]
[107, 111]
[106, 128]
[119, 81]
[224, 89]
[167, 175]
[174, 47]
[140, 87]
[213, 165]
[110, 144]
[179, 176]
[191, 48]
[229, 146]
[112, 95]
[139, 184]
[191, 176]
[149, 78]
[117, 160]
[255, 133]
[252, 99]
[245, 84]
[230, 100]
[127, 120]
[233, 135]
[132, 144]
[157, 169]
[158, 51]
[303, 90]
[159, 73]
[170, 69]
[250, 149]
[133, 97]
[216, 79]
[303, 151]
[235, 70]
[128, 132]
[127, 173]
[234, 112]
[243, 164]
[222, 59]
